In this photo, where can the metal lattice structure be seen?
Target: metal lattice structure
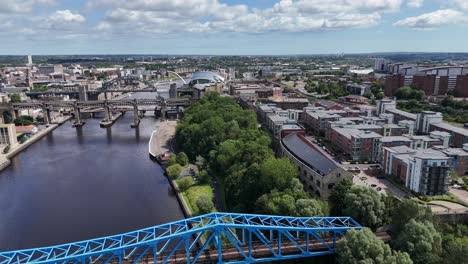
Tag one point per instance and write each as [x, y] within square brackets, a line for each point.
[211, 238]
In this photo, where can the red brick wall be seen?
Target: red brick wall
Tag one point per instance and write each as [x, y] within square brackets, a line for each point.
[392, 83]
[461, 89]
[424, 83]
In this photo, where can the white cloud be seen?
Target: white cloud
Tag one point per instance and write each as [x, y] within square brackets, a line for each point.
[60, 20]
[433, 20]
[463, 4]
[162, 16]
[23, 6]
[415, 3]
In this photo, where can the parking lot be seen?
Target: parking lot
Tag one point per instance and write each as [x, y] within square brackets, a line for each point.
[381, 185]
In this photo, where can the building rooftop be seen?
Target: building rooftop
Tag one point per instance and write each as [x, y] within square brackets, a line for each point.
[356, 133]
[279, 99]
[402, 113]
[314, 159]
[277, 118]
[395, 139]
[449, 127]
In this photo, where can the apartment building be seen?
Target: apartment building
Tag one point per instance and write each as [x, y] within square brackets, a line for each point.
[318, 173]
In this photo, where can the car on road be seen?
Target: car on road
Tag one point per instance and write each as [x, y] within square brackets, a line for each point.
[373, 185]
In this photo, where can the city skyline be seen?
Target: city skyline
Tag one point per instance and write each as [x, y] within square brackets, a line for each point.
[234, 27]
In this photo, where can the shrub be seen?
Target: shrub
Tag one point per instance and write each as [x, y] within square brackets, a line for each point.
[182, 159]
[185, 183]
[174, 171]
[204, 204]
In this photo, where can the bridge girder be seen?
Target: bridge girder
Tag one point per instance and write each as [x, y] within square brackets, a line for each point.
[236, 238]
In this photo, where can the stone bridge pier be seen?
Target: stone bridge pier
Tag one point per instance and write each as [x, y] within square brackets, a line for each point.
[77, 111]
[136, 116]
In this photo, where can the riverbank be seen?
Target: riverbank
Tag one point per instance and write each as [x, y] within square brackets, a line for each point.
[161, 141]
[15, 150]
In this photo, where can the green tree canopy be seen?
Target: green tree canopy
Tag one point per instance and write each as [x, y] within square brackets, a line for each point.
[406, 210]
[421, 241]
[337, 196]
[15, 98]
[174, 171]
[182, 159]
[24, 121]
[277, 173]
[408, 93]
[365, 205]
[204, 204]
[185, 183]
[363, 247]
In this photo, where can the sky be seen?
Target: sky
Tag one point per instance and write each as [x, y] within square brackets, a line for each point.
[232, 27]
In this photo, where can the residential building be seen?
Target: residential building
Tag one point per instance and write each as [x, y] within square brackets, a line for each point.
[424, 171]
[358, 89]
[358, 145]
[318, 173]
[458, 135]
[289, 102]
[8, 135]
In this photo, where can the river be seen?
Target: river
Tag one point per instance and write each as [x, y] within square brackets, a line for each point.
[77, 184]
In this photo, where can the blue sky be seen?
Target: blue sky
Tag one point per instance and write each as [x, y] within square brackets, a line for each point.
[232, 27]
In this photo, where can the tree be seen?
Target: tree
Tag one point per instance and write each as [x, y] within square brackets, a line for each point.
[365, 205]
[337, 196]
[185, 183]
[363, 247]
[277, 173]
[311, 207]
[15, 98]
[276, 203]
[407, 210]
[182, 159]
[172, 160]
[421, 241]
[174, 171]
[204, 204]
[203, 176]
[24, 121]
[201, 163]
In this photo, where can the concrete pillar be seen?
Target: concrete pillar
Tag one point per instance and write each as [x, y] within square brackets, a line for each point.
[136, 117]
[46, 115]
[77, 115]
[107, 112]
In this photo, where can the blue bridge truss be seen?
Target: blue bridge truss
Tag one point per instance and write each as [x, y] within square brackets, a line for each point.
[211, 238]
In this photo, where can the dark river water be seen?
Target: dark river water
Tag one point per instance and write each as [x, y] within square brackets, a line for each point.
[81, 184]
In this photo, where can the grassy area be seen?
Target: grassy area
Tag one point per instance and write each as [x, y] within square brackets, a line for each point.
[193, 193]
[447, 198]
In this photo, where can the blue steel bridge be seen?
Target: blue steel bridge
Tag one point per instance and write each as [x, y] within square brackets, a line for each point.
[210, 238]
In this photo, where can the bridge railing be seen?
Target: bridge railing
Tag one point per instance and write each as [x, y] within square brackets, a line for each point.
[216, 237]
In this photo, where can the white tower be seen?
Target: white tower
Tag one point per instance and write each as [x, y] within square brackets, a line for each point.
[30, 60]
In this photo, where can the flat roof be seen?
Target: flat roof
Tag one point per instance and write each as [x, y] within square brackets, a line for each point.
[308, 155]
[455, 129]
[353, 132]
[395, 139]
[403, 113]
